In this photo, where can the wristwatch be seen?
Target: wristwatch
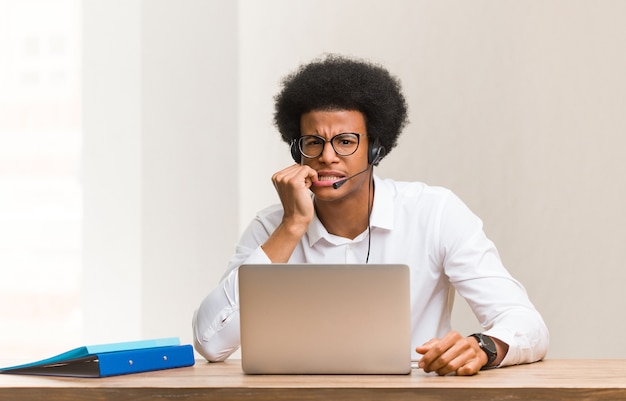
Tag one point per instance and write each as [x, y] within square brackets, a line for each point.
[487, 344]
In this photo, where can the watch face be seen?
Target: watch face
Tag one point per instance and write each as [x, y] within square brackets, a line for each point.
[488, 344]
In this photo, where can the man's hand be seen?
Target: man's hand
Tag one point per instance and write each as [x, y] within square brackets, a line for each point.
[453, 353]
[292, 185]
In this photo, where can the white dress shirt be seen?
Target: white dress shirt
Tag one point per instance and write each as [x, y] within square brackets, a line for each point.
[429, 229]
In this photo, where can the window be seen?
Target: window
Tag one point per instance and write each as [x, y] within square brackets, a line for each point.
[40, 188]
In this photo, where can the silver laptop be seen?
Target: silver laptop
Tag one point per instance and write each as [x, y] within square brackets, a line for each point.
[325, 319]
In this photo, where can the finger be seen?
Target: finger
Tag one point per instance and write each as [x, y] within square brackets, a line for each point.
[476, 360]
[435, 348]
[310, 177]
[284, 174]
[454, 360]
[447, 361]
[472, 367]
[448, 355]
[424, 348]
[296, 176]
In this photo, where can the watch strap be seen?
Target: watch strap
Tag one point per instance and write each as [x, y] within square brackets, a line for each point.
[487, 344]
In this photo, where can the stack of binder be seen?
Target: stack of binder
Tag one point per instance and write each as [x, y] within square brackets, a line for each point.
[112, 359]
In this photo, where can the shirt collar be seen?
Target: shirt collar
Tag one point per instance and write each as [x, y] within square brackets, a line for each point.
[382, 212]
[381, 217]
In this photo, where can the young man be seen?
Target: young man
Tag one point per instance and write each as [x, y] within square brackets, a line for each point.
[341, 117]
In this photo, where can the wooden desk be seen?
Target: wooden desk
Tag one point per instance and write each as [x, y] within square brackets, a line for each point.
[547, 380]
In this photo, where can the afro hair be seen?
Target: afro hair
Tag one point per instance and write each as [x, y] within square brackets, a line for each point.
[336, 82]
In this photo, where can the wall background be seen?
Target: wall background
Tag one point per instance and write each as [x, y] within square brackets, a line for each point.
[518, 107]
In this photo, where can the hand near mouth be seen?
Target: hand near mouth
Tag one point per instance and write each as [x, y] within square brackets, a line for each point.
[292, 185]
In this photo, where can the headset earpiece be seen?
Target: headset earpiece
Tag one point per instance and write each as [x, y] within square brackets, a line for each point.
[375, 153]
[295, 152]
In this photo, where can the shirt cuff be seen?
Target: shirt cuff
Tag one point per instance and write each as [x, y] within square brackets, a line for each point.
[257, 256]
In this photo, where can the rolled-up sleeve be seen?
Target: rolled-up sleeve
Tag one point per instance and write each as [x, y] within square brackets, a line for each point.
[499, 301]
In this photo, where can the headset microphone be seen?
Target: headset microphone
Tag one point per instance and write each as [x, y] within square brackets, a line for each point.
[374, 157]
[339, 183]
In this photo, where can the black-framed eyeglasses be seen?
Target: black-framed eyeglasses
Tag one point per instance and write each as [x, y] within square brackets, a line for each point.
[344, 144]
